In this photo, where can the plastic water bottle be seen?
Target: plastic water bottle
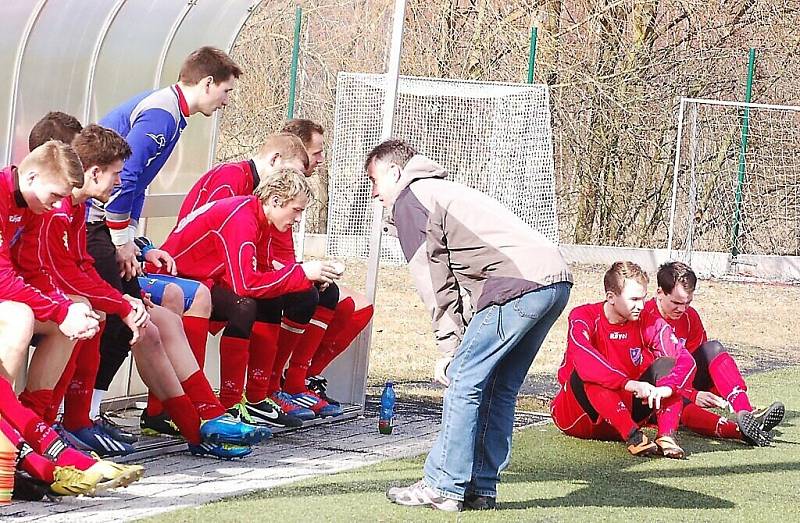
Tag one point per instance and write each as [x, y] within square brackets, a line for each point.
[386, 418]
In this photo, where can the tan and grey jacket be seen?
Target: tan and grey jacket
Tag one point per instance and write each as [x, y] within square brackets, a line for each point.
[465, 250]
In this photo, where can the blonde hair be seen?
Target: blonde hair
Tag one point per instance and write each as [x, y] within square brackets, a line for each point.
[614, 279]
[56, 161]
[289, 146]
[286, 184]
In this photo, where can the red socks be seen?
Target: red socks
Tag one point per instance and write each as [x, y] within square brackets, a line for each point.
[611, 407]
[37, 400]
[304, 351]
[263, 348]
[196, 329]
[233, 355]
[34, 464]
[340, 335]
[729, 382]
[78, 394]
[290, 334]
[707, 423]
[199, 391]
[185, 417]
[51, 412]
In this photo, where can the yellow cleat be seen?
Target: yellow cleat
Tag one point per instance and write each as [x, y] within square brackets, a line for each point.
[115, 475]
[70, 481]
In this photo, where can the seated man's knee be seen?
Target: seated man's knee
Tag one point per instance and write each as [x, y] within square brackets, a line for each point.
[16, 323]
[173, 298]
[241, 316]
[201, 303]
[709, 350]
[149, 339]
[329, 298]
[658, 369]
[299, 307]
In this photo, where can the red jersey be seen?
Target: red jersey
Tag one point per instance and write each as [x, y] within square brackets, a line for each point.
[13, 214]
[688, 328]
[218, 242]
[223, 181]
[51, 255]
[611, 354]
[239, 179]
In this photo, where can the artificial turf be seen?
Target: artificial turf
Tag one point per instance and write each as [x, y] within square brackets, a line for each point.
[556, 478]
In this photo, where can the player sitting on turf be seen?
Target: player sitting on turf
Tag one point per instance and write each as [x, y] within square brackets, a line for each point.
[717, 373]
[45, 176]
[351, 315]
[51, 253]
[264, 403]
[223, 241]
[617, 372]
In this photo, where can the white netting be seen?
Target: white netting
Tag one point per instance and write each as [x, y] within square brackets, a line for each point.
[710, 161]
[491, 136]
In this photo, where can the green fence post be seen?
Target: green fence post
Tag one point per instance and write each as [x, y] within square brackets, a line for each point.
[737, 210]
[532, 54]
[298, 20]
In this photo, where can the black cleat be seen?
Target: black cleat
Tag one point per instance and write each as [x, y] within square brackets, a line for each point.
[319, 386]
[750, 427]
[770, 417]
[158, 425]
[640, 445]
[265, 413]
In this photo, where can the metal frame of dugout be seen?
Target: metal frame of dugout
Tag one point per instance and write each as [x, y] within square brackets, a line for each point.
[84, 57]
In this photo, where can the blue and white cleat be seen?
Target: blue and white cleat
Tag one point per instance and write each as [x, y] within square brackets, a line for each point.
[100, 442]
[220, 450]
[227, 429]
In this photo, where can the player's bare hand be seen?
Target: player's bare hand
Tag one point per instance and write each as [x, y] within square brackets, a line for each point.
[320, 271]
[140, 316]
[709, 400]
[656, 395]
[160, 259]
[640, 389]
[148, 302]
[440, 370]
[126, 258]
[81, 322]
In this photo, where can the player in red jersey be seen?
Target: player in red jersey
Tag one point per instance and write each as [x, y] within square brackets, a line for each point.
[263, 398]
[224, 241]
[44, 177]
[332, 333]
[52, 252]
[614, 362]
[717, 372]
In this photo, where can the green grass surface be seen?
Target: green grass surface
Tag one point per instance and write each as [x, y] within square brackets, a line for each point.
[556, 478]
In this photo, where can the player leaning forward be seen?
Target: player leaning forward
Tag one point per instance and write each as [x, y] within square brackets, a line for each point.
[458, 239]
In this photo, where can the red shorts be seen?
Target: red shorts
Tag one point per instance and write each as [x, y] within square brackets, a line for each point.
[570, 418]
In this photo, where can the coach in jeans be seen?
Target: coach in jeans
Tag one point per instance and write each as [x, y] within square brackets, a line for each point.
[469, 255]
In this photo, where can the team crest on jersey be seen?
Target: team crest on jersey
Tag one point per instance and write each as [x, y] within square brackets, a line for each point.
[66, 240]
[636, 355]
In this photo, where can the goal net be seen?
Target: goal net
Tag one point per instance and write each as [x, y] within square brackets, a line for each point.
[736, 186]
[494, 137]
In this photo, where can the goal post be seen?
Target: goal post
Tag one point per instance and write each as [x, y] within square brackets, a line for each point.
[495, 137]
[736, 180]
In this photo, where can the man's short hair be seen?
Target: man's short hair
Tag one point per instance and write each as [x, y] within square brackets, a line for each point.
[614, 279]
[208, 61]
[97, 145]
[55, 160]
[287, 145]
[672, 273]
[286, 184]
[303, 129]
[55, 125]
[395, 151]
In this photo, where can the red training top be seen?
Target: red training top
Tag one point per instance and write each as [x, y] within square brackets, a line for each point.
[51, 255]
[610, 354]
[688, 328]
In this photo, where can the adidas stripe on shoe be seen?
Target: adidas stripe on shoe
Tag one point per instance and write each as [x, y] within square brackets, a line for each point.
[101, 443]
[220, 450]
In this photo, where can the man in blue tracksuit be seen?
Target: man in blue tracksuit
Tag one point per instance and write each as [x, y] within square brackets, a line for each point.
[151, 123]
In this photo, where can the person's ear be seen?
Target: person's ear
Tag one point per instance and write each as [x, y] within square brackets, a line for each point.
[95, 172]
[273, 158]
[398, 172]
[207, 82]
[275, 201]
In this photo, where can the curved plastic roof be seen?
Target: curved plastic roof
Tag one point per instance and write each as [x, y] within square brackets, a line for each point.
[84, 57]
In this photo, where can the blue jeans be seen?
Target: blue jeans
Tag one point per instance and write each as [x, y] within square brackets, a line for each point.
[486, 373]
